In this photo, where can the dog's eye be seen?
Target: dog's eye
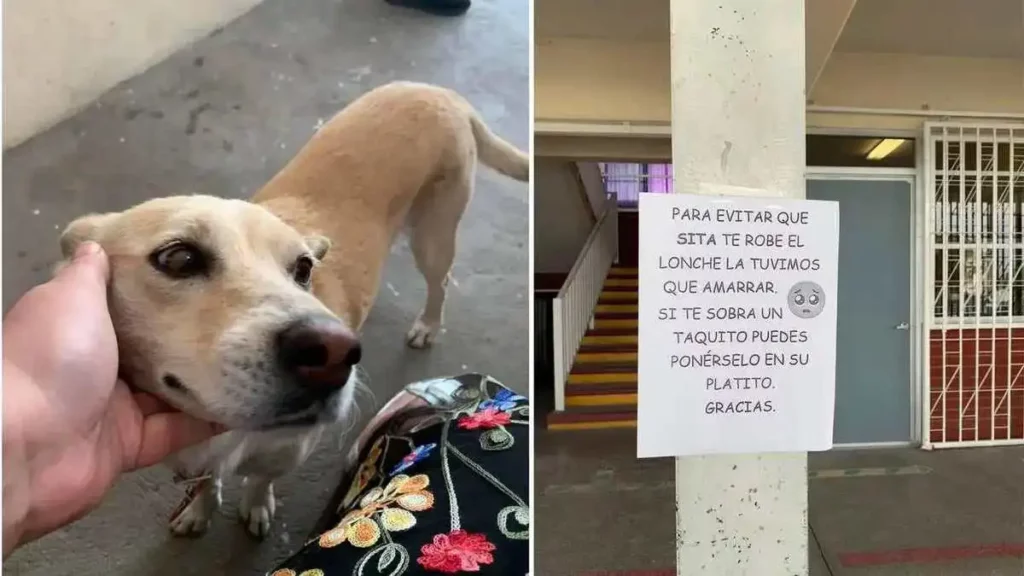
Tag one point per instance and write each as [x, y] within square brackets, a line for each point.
[303, 272]
[180, 260]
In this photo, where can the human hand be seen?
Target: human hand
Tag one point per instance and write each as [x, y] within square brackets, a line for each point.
[70, 427]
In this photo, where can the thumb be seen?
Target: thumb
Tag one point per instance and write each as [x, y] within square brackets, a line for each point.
[89, 266]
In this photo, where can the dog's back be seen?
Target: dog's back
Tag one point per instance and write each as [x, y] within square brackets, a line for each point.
[357, 179]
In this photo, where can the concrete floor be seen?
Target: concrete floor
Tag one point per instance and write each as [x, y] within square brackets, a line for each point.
[599, 510]
[220, 118]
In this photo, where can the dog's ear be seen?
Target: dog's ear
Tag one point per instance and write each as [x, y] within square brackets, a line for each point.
[82, 230]
[318, 245]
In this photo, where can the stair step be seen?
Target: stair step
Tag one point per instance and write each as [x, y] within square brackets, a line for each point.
[611, 331]
[617, 296]
[616, 309]
[621, 282]
[598, 388]
[604, 323]
[593, 418]
[592, 339]
[587, 400]
[603, 367]
[601, 378]
[615, 358]
[616, 272]
[609, 347]
[616, 316]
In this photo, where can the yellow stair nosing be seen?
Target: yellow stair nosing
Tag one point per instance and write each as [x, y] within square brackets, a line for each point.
[616, 308]
[602, 377]
[621, 399]
[610, 339]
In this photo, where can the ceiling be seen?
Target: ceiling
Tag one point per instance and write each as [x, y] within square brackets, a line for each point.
[969, 28]
[634, 21]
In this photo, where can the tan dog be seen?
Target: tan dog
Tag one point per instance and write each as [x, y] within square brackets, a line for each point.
[247, 313]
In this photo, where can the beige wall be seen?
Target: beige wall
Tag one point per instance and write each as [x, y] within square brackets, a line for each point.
[60, 55]
[562, 218]
[588, 79]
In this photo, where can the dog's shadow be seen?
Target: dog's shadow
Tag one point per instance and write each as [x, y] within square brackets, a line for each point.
[227, 548]
[216, 553]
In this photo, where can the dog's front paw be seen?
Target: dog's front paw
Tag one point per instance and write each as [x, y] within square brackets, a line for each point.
[257, 508]
[422, 334]
[194, 514]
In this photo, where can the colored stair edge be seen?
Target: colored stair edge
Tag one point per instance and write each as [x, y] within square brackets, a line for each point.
[623, 273]
[600, 348]
[624, 331]
[604, 368]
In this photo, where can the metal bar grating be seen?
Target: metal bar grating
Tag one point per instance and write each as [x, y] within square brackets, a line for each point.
[975, 352]
[630, 179]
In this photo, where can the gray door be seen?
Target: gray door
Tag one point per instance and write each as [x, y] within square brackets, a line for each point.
[873, 382]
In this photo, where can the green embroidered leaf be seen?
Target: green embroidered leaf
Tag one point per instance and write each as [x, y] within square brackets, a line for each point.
[521, 515]
[392, 560]
[496, 439]
[386, 558]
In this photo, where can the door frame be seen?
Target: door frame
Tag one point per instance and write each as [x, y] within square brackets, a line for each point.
[917, 334]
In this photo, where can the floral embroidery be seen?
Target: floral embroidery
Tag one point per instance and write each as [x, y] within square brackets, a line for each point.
[389, 508]
[374, 513]
[485, 419]
[457, 551]
[504, 400]
[366, 472]
[418, 453]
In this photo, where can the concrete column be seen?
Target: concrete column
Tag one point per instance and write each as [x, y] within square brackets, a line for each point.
[738, 119]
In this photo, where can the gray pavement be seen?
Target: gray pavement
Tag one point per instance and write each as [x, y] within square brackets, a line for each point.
[879, 512]
[220, 118]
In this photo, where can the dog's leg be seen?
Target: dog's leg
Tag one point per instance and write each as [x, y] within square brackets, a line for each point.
[257, 506]
[434, 221]
[194, 514]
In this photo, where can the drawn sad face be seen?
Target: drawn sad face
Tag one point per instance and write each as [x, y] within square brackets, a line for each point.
[806, 299]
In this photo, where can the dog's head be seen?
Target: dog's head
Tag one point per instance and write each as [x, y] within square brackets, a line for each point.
[212, 305]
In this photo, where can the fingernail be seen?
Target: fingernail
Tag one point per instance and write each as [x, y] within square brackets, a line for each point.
[87, 249]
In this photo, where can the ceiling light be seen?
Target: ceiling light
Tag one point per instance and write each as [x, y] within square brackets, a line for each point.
[884, 148]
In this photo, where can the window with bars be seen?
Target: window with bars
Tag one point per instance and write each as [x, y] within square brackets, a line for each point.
[976, 223]
[629, 180]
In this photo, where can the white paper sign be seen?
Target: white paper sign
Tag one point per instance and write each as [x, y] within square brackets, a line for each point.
[737, 327]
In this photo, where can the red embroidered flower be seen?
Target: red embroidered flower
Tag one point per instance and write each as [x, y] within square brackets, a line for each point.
[455, 552]
[484, 419]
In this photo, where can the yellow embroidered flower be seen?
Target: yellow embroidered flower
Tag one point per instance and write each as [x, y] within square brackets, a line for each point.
[312, 572]
[367, 470]
[392, 505]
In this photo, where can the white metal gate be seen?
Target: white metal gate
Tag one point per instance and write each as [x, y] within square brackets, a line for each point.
[974, 356]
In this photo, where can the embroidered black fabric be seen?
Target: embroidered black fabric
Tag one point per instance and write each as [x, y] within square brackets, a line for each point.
[479, 501]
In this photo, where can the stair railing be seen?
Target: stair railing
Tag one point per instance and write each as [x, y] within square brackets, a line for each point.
[573, 309]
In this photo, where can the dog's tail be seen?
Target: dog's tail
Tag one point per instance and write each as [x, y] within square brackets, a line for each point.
[496, 152]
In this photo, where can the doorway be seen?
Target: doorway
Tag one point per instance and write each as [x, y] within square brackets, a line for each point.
[874, 341]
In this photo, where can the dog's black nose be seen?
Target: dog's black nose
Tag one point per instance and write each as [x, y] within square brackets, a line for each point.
[320, 351]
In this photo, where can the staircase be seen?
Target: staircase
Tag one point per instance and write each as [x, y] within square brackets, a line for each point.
[600, 391]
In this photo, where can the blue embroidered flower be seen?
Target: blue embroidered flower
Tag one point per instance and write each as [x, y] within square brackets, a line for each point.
[504, 400]
[418, 453]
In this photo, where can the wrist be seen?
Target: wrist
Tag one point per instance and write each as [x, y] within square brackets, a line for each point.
[17, 465]
[16, 485]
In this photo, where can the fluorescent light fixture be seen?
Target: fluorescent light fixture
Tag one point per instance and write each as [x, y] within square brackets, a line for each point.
[884, 148]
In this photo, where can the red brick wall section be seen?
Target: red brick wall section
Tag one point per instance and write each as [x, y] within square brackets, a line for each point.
[981, 374]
